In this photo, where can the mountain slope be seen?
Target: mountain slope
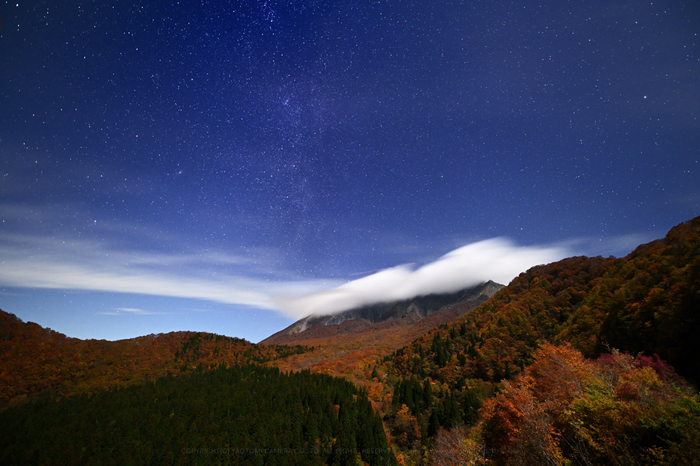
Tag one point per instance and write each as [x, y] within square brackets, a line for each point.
[647, 303]
[443, 308]
[355, 346]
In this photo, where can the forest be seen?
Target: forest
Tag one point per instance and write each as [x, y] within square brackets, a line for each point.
[227, 415]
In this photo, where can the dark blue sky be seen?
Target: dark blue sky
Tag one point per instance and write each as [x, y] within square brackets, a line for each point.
[180, 165]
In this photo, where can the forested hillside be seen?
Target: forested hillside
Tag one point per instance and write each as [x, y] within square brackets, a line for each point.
[366, 335]
[35, 359]
[238, 415]
[646, 304]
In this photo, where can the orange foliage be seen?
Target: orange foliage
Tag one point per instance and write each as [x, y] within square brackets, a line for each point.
[35, 359]
[615, 410]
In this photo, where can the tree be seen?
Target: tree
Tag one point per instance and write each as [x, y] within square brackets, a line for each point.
[453, 448]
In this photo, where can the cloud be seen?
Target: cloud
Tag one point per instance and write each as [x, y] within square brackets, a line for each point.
[50, 261]
[496, 259]
[618, 246]
[36, 261]
[120, 311]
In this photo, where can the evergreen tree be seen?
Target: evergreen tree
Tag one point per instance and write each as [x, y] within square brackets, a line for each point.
[427, 394]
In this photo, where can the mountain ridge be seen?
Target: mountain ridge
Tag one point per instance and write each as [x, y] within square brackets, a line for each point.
[367, 317]
[36, 359]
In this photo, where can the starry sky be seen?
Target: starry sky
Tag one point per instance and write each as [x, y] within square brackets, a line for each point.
[231, 166]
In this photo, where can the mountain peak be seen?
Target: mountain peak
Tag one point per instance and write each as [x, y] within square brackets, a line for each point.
[449, 306]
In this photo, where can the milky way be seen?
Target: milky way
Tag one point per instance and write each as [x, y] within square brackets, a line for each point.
[216, 155]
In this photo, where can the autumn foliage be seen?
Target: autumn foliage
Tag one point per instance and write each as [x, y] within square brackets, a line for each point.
[36, 360]
[617, 409]
[647, 304]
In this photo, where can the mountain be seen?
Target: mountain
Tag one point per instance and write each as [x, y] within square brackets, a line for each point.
[39, 360]
[581, 361]
[441, 307]
[573, 362]
[648, 301]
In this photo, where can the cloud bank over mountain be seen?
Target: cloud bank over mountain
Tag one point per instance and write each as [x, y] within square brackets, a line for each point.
[496, 259]
[38, 261]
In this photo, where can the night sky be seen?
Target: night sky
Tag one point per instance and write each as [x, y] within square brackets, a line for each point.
[225, 166]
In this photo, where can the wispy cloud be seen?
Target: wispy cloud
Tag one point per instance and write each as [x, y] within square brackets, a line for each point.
[495, 259]
[38, 261]
[45, 262]
[617, 246]
[121, 311]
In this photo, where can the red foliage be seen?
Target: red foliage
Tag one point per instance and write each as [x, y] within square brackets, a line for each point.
[665, 371]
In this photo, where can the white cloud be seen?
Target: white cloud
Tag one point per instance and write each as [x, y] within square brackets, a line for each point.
[496, 259]
[130, 311]
[38, 261]
[43, 262]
